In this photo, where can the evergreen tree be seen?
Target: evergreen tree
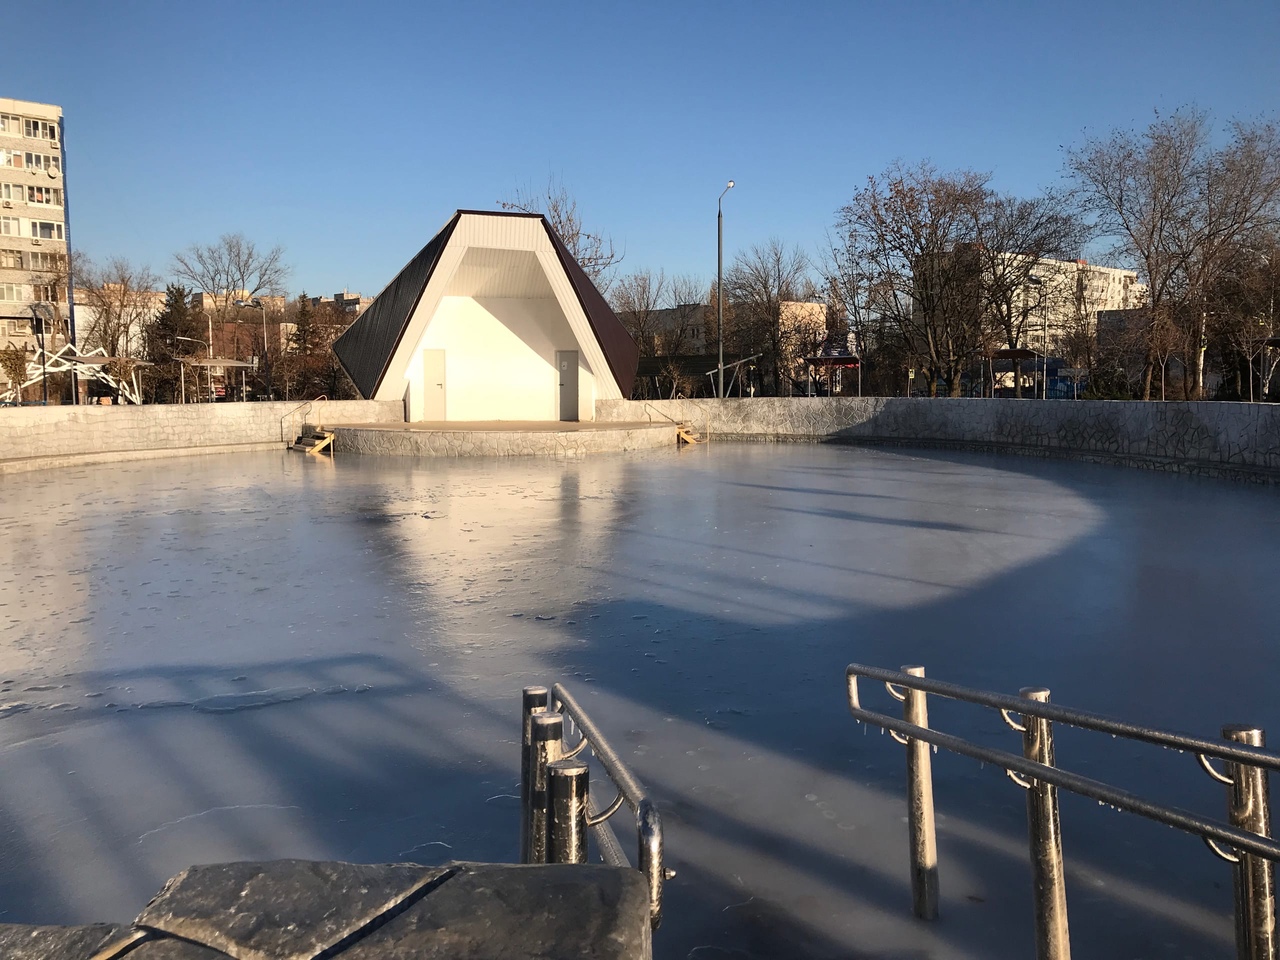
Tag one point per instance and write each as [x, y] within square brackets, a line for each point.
[162, 347]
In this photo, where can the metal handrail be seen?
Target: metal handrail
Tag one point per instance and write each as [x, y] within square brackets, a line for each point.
[1248, 798]
[660, 413]
[633, 793]
[1093, 789]
[289, 416]
[1076, 718]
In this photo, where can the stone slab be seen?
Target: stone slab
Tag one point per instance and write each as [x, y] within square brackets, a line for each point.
[497, 912]
[20, 942]
[301, 910]
[280, 909]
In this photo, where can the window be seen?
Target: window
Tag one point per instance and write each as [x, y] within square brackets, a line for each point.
[12, 192]
[44, 293]
[12, 292]
[12, 158]
[11, 259]
[40, 129]
[46, 230]
[9, 227]
[42, 161]
[10, 124]
[39, 260]
[44, 196]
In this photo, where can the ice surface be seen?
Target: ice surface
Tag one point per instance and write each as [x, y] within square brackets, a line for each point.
[256, 656]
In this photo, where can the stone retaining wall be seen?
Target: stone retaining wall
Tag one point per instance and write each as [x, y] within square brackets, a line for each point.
[38, 434]
[1216, 439]
[461, 442]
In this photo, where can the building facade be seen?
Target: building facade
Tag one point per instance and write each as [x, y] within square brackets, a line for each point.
[1071, 295]
[33, 224]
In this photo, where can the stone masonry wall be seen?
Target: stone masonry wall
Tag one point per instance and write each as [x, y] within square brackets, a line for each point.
[501, 443]
[1217, 439]
[45, 432]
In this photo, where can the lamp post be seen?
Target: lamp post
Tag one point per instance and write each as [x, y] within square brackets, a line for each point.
[208, 347]
[720, 289]
[1044, 320]
[257, 302]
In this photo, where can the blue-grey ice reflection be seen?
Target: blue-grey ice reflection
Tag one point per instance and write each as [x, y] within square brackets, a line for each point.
[260, 655]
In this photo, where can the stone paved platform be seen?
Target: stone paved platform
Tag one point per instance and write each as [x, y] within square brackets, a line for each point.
[501, 438]
[305, 910]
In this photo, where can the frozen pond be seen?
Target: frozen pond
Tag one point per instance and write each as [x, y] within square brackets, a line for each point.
[261, 655]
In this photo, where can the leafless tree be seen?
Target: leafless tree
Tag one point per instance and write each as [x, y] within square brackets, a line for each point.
[685, 328]
[639, 299]
[1241, 309]
[910, 233]
[1175, 205]
[118, 299]
[231, 269]
[595, 252]
[763, 282]
[1015, 240]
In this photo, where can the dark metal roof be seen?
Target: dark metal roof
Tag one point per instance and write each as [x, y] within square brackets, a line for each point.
[620, 349]
[366, 347]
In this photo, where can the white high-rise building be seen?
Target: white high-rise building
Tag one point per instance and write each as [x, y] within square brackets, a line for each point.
[1072, 293]
[33, 223]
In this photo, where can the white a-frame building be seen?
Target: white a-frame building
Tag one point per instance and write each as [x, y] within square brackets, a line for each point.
[492, 320]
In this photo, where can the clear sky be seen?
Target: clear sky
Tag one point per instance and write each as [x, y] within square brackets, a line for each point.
[350, 132]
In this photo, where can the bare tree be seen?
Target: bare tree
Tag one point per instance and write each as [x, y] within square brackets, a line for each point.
[595, 252]
[1242, 315]
[910, 233]
[1175, 205]
[232, 269]
[118, 299]
[639, 300]
[762, 283]
[1015, 242]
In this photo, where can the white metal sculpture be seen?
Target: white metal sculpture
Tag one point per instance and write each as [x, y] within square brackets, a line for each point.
[69, 358]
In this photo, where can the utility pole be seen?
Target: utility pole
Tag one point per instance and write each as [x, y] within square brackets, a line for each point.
[720, 289]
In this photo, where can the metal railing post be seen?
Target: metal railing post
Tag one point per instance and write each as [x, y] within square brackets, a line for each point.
[567, 786]
[533, 700]
[1249, 808]
[546, 745]
[649, 832]
[1053, 942]
[920, 819]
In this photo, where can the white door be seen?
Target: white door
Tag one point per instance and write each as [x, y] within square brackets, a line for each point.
[433, 385]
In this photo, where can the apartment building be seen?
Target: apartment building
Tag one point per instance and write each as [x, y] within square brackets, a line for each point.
[33, 225]
[1070, 296]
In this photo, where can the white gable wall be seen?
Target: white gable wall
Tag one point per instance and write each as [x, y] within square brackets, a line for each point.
[499, 360]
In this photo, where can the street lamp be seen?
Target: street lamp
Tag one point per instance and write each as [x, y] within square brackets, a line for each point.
[720, 288]
[1044, 320]
[257, 302]
[209, 347]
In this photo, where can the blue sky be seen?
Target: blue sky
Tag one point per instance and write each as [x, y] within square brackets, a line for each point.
[349, 132]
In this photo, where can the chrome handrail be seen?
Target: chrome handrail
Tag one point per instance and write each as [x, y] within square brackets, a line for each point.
[633, 793]
[1248, 797]
[1083, 719]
